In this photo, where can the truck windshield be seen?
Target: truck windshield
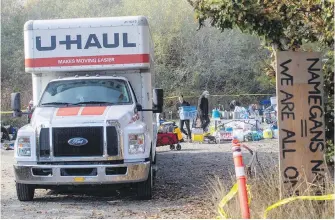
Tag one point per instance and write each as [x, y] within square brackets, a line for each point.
[87, 91]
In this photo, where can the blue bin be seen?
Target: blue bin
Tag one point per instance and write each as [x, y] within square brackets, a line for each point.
[187, 112]
[215, 113]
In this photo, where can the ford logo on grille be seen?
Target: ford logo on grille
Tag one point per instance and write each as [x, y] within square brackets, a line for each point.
[77, 141]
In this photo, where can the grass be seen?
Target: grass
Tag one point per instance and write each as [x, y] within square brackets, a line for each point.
[265, 192]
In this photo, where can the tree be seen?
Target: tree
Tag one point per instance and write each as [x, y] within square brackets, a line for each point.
[186, 61]
[282, 25]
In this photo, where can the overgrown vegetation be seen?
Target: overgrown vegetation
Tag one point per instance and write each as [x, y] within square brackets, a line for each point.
[186, 61]
[282, 25]
[264, 192]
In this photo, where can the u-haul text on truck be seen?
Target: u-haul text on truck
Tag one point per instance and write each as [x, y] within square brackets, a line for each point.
[94, 119]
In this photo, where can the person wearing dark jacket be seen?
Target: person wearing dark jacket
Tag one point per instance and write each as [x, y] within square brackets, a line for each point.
[181, 103]
[203, 110]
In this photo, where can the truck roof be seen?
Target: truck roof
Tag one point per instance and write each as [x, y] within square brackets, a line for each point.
[89, 77]
[86, 22]
[86, 44]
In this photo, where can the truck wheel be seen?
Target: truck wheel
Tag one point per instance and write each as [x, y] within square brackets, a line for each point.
[25, 192]
[154, 169]
[144, 189]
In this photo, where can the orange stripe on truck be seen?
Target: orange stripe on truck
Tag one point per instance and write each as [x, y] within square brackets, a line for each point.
[68, 111]
[99, 110]
[87, 60]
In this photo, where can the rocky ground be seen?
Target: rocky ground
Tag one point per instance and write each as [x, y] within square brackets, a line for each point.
[181, 189]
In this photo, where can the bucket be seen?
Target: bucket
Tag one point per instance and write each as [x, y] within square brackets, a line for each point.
[236, 115]
[225, 115]
[198, 137]
[255, 136]
[260, 134]
[238, 133]
[276, 133]
[178, 132]
[215, 113]
[197, 131]
[267, 134]
[273, 100]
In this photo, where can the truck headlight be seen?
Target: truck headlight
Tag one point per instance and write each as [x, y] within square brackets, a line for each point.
[23, 146]
[136, 144]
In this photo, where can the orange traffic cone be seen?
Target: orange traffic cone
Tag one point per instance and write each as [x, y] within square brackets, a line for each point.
[241, 179]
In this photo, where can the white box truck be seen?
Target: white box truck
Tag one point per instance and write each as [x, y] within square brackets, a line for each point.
[94, 115]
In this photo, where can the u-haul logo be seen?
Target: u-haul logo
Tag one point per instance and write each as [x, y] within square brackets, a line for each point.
[80, 43]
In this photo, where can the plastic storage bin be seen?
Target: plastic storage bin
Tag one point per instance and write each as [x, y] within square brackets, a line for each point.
[198, 137]
[187, 112]
[275, 133]
[273, 100]
[216, 114]
[239, 134]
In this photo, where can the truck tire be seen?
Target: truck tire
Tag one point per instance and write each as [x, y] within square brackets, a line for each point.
[25, 192]
[144, 189]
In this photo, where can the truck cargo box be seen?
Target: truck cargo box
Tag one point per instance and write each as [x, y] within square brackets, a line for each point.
[84, 44]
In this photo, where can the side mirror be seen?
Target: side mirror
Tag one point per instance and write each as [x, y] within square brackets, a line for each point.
[16, 104]
[139, 107]
[158, 100]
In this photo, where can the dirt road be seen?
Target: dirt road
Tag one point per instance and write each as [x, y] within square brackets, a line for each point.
[180, 190]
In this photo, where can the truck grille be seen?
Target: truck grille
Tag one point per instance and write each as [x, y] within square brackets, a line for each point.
[112, 141]
[93, 147]
[44, 142]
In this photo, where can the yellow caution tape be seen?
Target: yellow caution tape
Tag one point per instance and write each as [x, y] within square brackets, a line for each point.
[228, 197]
[237, 95]
[9, 112]
[6, 112]
[285, 201]
[234, 190]
[225, 199]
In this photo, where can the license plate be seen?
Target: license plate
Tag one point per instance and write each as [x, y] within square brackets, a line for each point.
[79, 179]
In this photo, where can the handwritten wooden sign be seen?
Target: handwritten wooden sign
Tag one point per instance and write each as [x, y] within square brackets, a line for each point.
[300, 121]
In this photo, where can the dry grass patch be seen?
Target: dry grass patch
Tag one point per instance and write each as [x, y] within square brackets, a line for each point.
[265, 192]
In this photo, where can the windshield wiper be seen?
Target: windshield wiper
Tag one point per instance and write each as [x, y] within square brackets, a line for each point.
[56, 103]
[93, 102]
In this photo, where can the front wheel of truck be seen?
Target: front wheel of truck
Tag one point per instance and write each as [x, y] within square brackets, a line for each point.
[144, 189]
[25, 192]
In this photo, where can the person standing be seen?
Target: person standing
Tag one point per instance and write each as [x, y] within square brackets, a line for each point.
[203, 110]
[181, 103]
[29, 110]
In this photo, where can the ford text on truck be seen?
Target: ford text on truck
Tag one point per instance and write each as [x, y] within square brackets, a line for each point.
[94, 119]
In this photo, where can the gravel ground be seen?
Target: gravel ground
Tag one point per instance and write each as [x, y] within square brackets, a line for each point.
[180, 190]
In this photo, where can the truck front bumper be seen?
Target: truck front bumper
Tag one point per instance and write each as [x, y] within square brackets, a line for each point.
[81, 174]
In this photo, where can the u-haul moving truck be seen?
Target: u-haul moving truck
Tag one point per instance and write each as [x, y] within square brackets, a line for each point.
[94, 120]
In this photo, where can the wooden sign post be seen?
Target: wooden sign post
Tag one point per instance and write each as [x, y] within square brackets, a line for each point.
[300, 121]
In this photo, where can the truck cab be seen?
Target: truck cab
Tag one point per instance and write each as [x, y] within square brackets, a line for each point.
[94, 121]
